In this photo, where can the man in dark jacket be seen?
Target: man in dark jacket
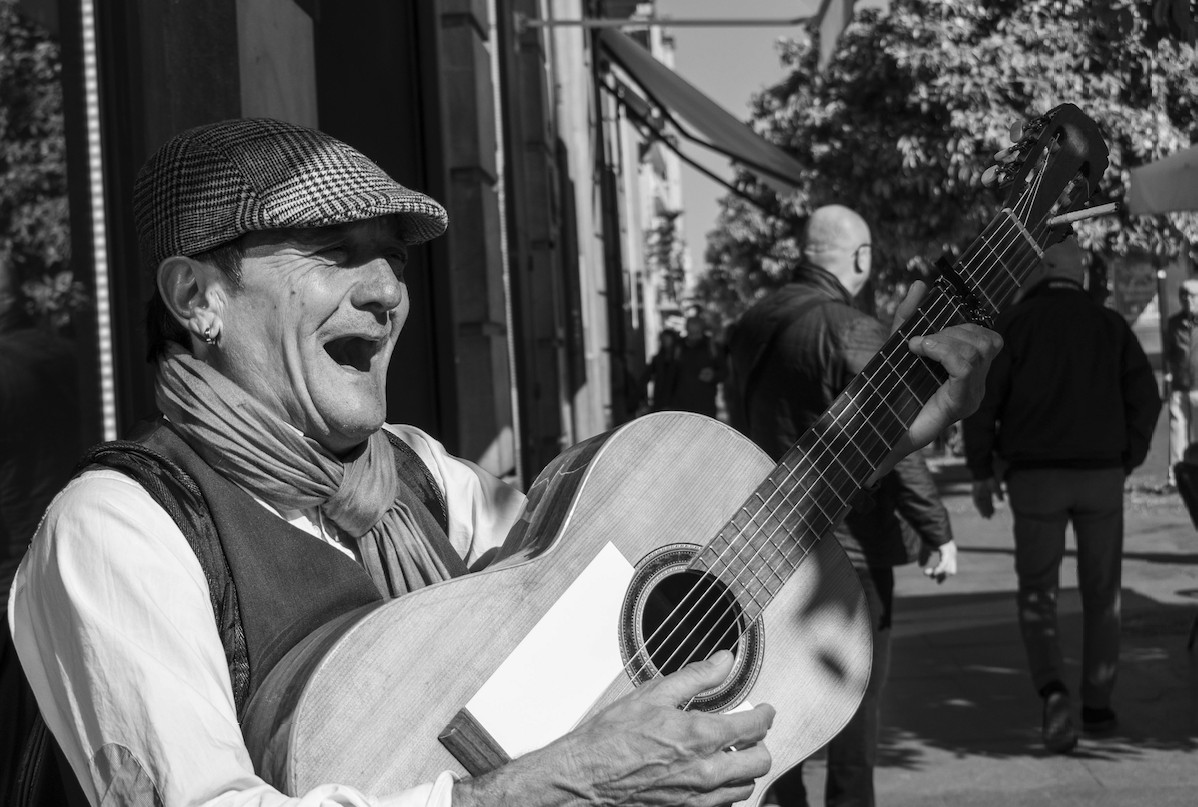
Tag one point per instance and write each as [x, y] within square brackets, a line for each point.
[700, 369]
[790, 356]
[1070, 406]
[686, 371]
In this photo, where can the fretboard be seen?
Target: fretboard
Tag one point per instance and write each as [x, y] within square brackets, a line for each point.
[815, 484]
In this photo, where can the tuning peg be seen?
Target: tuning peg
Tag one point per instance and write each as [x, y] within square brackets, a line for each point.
[1016, 131]
[1007, 155]
[990, 176]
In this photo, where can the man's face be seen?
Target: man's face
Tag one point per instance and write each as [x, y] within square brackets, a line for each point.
[1189, 298]
[310, 331]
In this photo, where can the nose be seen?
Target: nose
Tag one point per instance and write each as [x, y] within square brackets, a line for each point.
[378, 289]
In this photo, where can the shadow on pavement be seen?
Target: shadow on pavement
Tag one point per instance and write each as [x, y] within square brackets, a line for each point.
[958, 681]
[1171, 558]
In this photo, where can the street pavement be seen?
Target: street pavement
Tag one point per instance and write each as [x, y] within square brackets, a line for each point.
[961, 722]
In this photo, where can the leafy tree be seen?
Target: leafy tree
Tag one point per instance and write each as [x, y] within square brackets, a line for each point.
[34, 229]
[903, 122]
[664, 249]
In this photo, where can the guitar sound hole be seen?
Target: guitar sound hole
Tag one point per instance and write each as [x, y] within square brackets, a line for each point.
[688, 616]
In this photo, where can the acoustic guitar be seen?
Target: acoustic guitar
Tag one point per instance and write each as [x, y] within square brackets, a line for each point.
[650, 546]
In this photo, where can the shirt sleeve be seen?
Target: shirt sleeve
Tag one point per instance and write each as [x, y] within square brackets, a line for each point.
[482, 508]
[979, 431]
[917, 501]
[113, 625]
[860, 338]
[1141, 400]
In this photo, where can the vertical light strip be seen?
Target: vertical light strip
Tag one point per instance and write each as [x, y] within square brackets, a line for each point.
[95, 177]
[495, 44]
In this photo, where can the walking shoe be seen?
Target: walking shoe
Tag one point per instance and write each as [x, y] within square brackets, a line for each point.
[1058, 731]
[1098, 721]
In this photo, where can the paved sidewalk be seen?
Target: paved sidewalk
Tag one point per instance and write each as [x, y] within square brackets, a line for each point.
[960, 719]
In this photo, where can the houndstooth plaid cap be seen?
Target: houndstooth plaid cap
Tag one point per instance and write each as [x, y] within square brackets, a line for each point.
[214, 183]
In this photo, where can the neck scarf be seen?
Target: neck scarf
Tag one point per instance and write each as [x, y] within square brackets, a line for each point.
[246, 443]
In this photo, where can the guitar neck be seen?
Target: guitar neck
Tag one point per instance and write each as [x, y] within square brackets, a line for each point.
[813, 487]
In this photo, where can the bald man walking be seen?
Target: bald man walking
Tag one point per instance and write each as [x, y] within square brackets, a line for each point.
[791, 356]
[1070, 406]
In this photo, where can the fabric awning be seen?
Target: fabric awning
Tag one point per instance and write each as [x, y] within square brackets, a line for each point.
[696, 116]
[1170, 183]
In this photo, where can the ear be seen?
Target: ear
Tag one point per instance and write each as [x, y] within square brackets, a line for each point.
[191, 291]
[862, 261]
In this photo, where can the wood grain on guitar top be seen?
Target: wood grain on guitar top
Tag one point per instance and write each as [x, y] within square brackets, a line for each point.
[362, 702]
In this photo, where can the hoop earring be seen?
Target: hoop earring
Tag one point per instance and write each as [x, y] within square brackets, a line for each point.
[208, 337]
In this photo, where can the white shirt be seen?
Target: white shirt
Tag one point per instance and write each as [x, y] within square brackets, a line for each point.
[113, 624]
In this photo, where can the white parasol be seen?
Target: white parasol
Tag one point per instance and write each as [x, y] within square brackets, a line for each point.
[1170, 183]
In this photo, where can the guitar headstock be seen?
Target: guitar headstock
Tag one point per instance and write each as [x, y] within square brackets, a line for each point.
[1052, 168]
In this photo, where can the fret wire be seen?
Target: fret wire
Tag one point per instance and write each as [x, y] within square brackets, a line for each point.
[1015, 245]
[923, 384]
[837, 454]
[852, 409]
[863, 437]
[808, 470]
[961, 316]
[755, 577]
[926, 309]
[779, 550]
[809, 515]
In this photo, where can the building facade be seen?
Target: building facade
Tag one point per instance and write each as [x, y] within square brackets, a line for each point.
[527, 325]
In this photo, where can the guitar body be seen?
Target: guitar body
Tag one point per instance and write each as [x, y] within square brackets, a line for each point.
[652, 545]
[363, 701]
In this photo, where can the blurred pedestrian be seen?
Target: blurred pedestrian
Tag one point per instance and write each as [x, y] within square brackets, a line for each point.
[39, 444]
[658, 381]
[687, 372]
[791, 355]
[1070, 406]
[1181, 361]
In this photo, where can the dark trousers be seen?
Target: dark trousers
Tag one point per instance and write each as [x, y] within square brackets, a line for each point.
[853, 752]
[1044, 502]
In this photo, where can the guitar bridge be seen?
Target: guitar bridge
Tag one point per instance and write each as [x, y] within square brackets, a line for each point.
[472, 745]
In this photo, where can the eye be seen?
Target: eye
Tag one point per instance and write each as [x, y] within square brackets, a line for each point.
[337, 253]
[399, 262]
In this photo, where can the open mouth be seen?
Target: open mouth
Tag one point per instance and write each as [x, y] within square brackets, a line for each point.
[352, 351]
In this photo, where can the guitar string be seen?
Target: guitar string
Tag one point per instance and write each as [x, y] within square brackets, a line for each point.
[732, 625]
[852, 442]
[752, 518]
[781, 521]
[895, 361]
[769, 522]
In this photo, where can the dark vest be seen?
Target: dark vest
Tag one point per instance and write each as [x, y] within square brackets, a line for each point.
[287, 582]
[270, 583]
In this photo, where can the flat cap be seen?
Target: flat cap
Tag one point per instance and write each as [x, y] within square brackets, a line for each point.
[214, 183]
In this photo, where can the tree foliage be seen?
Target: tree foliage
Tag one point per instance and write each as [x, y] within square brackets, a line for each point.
[34, 229]
[664, 251]
[909, 114]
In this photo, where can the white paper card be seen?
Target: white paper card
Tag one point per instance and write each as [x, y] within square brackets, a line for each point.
[563, 665]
